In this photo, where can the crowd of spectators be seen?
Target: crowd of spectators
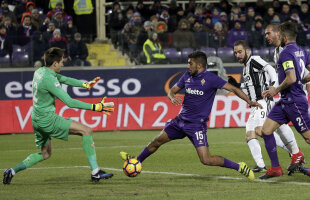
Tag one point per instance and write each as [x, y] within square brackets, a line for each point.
[29, 29]
[200, 25]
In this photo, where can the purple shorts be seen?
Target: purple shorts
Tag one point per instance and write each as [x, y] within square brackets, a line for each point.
[196, 132]
[296, 112]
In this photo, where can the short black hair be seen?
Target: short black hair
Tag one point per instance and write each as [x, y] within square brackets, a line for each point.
[243, 43]
[290, 29]
[199, 57]
[53, 54]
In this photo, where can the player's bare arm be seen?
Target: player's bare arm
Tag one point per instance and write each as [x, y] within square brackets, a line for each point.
[175, 100]
[289, 80]
[241, 95]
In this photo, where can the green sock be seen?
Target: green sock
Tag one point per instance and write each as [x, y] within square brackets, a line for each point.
[31, 160]
[89, 149]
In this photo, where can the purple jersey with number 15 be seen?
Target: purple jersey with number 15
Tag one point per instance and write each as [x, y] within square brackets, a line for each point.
[200, 91]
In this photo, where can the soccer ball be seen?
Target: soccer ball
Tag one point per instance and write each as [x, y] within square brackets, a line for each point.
[132, 167]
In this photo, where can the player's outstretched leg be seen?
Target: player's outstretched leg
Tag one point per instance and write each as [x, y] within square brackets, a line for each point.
[272, 172]
[100, 175]
[7, 176]
[296, 161]
[246, 171]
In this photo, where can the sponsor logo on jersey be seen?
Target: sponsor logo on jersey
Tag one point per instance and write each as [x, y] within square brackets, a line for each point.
[196, 92]
[203, 81]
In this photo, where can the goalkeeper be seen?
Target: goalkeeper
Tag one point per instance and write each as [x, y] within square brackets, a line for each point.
[46, 123]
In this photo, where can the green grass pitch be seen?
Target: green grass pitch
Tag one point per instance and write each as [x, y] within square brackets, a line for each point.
[173, 172]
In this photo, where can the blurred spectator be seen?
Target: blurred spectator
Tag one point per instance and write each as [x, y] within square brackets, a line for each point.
[29, 7]
[38, 47]
[183, 37]
[249, 26]
[25, 31]
[45, 24]
[219, 36]
[165, 17]
[57, 19]
[225, 6]
[60, 42]
[307, 34]
[224, 21]
[153, 51]
[116, 23]
[200, 34]
[19, 9]
[293, 5]
[215, 65]
[143, 10]
[130, 35]
[155, 8]
[285, 12]
[234, 15]
[164, 36]
[7, 13]
[295, 16]
[199, 14]
[154, 20]
[180, 14]
[191, 19]
[276, 6]
[10, 29]
[256, 37]
[68, 29]
[208, 24]
[129, 13]
[56, 4]
[144, 34]
[243, 20]
[236, 34]
[260, 7]
[36, 20]
[304, 13]
[58, 7]
[78, 51]
[242, 6]
[48, 34]
[190, 7]
[276, 19]
[6, 46]
[173, 8]
[215, 15]
[269, 16]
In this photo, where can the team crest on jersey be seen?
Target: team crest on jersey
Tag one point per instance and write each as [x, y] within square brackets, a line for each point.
[188, 80]
[203, 81]
[57, 84]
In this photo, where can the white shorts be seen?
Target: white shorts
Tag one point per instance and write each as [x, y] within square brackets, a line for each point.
[257, 116]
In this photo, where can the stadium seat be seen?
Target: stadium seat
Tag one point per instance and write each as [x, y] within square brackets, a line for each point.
[208, 51]
[226, 54]
[186, 52]
[173, 56]
[17, 48]
[20, 59]
[263, 53]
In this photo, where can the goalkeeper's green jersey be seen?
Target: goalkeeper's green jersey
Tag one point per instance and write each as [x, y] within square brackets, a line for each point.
[46, 89]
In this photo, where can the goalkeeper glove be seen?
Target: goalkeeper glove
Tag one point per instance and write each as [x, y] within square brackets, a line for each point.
[91, 83]
[105, 108]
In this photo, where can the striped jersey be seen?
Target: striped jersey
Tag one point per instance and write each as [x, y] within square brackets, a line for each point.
[257, 75]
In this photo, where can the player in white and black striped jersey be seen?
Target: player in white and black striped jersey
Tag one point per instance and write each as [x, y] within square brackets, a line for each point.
[257, 75]
[285, 132]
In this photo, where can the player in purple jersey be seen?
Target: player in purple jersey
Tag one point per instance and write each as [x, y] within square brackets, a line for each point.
[200, 89]
[293, 104]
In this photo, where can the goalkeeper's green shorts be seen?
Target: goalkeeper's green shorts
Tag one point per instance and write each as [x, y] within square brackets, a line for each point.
[48, 126]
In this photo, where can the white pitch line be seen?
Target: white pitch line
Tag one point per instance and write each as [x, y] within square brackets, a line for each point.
[181, 174]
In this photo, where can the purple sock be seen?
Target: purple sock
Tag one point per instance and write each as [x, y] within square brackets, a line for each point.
[144, 154]
[271, 147]
[230, 164]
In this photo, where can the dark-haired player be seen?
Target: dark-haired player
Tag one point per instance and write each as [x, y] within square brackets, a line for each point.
[200, 89]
